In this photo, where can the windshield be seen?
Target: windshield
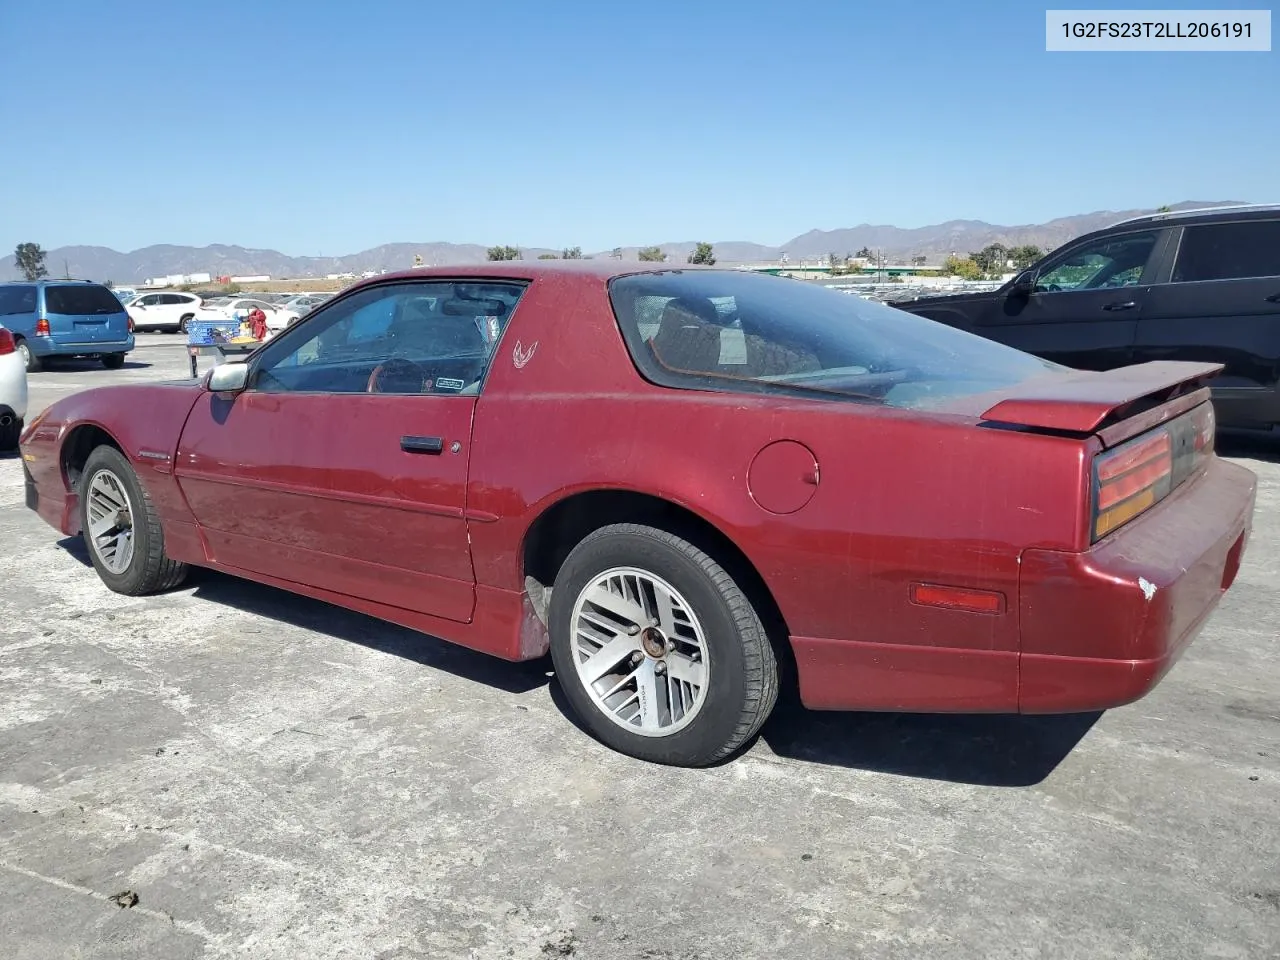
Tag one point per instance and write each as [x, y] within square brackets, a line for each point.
[740, 331]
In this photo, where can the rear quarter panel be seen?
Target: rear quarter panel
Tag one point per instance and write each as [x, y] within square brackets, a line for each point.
[901, 496]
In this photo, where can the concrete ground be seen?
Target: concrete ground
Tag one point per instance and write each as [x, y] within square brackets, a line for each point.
[275, 778]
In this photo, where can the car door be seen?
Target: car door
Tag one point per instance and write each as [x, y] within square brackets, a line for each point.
[1084, 307]
[343, 466]
[146, 310]
[1221, 304]
[171, 308]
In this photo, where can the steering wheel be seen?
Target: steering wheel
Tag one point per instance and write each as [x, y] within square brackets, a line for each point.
[398, 375]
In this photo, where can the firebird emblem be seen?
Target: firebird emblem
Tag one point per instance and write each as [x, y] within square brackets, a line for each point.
[521, 355]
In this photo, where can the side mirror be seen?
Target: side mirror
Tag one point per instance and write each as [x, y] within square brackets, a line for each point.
[228, 379]
[1024, 284]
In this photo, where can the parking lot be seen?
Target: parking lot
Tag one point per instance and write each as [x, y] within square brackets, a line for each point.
[273, 777]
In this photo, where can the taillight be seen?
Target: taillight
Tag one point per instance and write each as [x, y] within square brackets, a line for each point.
[130, 323]
[1137, 475]
[1130, 479]
[42, 327]
[7, 344]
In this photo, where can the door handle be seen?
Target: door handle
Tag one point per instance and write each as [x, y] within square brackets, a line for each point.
[1127, 305]
[1274, 298]
[433, 445]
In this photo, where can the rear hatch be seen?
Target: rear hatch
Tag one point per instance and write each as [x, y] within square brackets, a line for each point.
[1154, 424]
[84, 313]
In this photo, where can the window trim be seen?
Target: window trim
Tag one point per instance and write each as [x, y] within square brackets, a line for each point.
[296, 332]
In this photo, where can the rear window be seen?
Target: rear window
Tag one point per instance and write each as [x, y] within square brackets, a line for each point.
[17, 299]
[80, 299]
[1229, 251]
[744, 332]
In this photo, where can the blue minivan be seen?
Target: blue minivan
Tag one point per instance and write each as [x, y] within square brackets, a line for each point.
[66, 318]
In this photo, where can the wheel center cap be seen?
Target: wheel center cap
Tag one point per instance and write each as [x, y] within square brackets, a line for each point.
[654, 643]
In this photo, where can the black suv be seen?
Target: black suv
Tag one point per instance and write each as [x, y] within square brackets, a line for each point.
[1191, 285]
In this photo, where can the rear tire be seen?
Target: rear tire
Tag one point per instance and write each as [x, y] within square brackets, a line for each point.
[34, 364]
[182, 324]
[111, 494]
[9, 436]
[113, 361]
[701, 654]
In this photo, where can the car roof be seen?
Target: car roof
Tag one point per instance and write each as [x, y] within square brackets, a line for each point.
[603, 269]
[1235, 211]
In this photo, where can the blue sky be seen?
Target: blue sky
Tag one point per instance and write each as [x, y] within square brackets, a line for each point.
[327, 128]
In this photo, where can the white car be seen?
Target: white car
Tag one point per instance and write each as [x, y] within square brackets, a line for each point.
[163, 311]
[13, 391]
[298, 307]
[224, 308]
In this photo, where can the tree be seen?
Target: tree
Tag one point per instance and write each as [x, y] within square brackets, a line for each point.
[1025, 255]
[29, 258]
[571, 253]
[504, 253]
[865, 254]
[965, 269]
[110, 284]
[702, 254]
[544, 256]
[991, 258]
[919, 261]
[652, 254]
[1165, 209]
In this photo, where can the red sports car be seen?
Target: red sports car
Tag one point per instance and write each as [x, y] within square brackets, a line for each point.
[686, 484]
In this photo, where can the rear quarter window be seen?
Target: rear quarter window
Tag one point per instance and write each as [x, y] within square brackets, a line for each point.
[1229, 251]
[87, 299]
[17, 299]
[741, 332]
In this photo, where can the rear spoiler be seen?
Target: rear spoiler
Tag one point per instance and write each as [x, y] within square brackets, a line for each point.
[1115, 404]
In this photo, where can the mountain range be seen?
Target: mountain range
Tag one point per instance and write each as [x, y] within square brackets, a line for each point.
[935, 242]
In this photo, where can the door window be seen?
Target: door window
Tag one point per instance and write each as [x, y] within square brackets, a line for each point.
[169, 299]
[1110, 262]
[405, 338]
[150, 300]
[1229, 251]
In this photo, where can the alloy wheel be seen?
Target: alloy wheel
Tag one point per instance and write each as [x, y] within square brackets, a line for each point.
[640, 652]
[110, 533]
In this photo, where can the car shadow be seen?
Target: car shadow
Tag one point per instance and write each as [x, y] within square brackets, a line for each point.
[73, 364]
[996, 750]
[342, 624]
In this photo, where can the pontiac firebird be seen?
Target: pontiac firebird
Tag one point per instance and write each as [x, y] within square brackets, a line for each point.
[689, 485]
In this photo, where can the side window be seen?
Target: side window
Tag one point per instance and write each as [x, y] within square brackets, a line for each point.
[17, 299]
[1110, 262]
[170, 299]
[404, 338]
[150, 300]
[1229, 251]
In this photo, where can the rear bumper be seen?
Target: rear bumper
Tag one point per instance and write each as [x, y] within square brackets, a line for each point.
[1101, 628]
[49, 347]
[1097, 629]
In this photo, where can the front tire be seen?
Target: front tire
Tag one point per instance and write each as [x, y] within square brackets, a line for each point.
[658, 650]
[113, 361]
[121, 528]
